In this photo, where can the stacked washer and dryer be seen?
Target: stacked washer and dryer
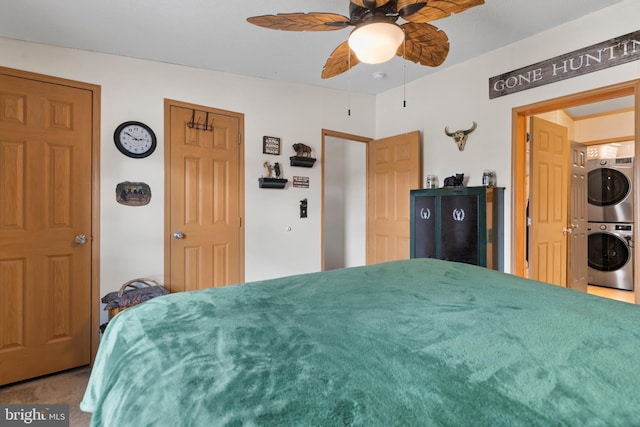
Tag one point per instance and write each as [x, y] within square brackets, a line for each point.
[610, 215]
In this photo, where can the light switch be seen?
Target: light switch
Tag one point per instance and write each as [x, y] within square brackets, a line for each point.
[303, 208]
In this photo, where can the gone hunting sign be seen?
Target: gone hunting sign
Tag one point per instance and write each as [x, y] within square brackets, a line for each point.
[617, 51]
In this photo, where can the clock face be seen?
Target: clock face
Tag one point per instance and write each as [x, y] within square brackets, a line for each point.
[135, 139]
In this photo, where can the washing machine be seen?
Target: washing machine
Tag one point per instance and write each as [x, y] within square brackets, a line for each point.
[611, 255]
[610, 190]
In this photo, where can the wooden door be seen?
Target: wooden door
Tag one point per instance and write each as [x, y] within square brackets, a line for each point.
[549, 196]
[578, 219]
[205, 203]
[393, 170]
[45, 193]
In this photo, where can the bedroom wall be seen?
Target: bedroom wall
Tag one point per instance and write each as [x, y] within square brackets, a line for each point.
[132, 237]
[132, 89]
[458, 95]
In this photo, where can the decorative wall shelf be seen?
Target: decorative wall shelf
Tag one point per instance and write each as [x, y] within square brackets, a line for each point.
[272, 182]
[305, 162]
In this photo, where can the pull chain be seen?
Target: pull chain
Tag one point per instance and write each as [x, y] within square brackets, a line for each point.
[404, 71]
[349, 84]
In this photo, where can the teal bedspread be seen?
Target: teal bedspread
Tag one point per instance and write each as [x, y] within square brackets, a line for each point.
[408, 343]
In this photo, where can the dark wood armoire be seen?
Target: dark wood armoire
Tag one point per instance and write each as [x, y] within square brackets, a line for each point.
[463, 224]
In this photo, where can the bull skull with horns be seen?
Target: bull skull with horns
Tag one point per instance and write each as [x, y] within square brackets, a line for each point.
[460, 136]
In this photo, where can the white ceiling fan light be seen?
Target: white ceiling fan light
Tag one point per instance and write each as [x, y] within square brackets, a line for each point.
[376, 42]
[377, 36]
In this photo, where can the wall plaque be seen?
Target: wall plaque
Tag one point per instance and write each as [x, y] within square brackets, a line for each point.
[301, 181]
[133, 193]
[617, 51]
[270, 145]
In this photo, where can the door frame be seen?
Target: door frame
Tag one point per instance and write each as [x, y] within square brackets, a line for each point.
[326, 133]
[168, 103]
[518, 162]
[94, 240]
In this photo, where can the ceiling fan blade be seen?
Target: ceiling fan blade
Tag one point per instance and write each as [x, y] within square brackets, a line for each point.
[370, 4]
[424, 44]
[433, 9]
[339, 61]
[301, 21]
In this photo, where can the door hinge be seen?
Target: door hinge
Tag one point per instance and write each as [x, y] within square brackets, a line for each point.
[528, 137]
[239, 139]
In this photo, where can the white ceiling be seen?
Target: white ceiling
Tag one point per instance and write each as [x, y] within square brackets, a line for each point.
[596, 108]
[214, 34]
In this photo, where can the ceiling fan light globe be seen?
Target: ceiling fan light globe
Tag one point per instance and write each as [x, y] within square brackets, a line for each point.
[376, 42]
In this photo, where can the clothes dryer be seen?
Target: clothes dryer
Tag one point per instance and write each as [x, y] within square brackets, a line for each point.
[610, 190]
[610, 256]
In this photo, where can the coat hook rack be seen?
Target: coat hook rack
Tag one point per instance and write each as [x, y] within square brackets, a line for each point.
[206, 126]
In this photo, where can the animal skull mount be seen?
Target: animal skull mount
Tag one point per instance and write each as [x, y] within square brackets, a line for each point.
[460, 136]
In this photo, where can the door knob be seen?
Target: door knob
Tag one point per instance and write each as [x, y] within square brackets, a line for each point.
[567, 230]
[178, 235]
[80, 239]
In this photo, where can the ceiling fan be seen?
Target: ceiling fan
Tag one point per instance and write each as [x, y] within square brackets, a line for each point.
[377, 37]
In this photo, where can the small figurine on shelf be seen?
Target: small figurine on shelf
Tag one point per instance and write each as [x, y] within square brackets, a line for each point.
[268, 169]
[303, 156]
[268, 180]
[302, 150]
[454, 181]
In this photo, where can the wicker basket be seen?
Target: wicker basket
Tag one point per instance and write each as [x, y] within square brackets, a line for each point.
[130, 294]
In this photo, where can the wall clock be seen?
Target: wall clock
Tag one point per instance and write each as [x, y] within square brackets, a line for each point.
[135, 139]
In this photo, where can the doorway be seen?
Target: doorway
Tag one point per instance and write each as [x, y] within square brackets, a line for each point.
[520, 159]
[344, 189]
[393, 168]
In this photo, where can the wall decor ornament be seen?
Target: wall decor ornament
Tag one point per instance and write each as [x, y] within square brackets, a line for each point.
[303, 156]
[268, 180]
[301, 181]
[133, 193]
[460, 136]
[270, 145]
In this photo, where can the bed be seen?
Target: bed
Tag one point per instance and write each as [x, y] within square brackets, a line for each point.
[416, 342]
